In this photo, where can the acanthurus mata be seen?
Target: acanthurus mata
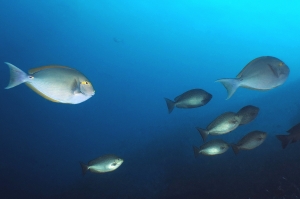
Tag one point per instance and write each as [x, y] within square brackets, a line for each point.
[102, 164]
[55, 83]
[262, 73]
[190, 99]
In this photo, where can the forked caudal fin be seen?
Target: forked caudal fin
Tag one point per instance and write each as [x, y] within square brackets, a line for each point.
[170, 104]
[84, 168]
[17, 76]
[196, 151]
[204, 133]
[284, 140]
[235, 149]
[231, 84]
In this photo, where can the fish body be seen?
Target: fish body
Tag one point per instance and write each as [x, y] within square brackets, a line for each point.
[223, 124]
[55, 83]
[102, 164]
[262, 73]
[190, 99]
[292, 137]
[248, 114]
[213, 147]
[250, 141]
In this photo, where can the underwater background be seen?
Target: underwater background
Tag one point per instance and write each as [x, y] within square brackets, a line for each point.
[136, 53]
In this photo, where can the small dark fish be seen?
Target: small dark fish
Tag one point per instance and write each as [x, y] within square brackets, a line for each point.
[294, 136]
[249, 141]
[248, 114]
[262, 73]
[213, 147]
[190, 99]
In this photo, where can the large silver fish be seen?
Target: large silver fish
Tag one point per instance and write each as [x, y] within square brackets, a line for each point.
[247, 114]
[263, 73]
[55, 83]
[223, 124]
[190, 99]
[292, 137]
[102, 164]
[213, 147]
[250, 141]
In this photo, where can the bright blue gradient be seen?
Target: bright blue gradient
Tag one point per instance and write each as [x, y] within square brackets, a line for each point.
[136, 53]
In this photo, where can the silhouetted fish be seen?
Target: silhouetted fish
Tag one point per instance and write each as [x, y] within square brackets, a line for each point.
[294, 136]
[247, 114]
[250, 141]
[223, 124]
[262, 73]
[213, 147]
[191, 99]
[102, 164]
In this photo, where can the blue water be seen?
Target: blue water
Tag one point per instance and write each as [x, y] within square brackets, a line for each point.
[136, 53]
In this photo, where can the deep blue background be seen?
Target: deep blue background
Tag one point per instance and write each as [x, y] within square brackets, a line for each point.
[136, 53]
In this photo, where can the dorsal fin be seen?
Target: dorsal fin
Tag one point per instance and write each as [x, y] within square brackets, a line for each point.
[34, 70]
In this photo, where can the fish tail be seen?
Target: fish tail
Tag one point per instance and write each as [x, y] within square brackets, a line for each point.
[235, 149]
[17, 76]
[170, 104]
[204, 133]
[230, 84]
[196, 151]
[84, 168]
[284, 140]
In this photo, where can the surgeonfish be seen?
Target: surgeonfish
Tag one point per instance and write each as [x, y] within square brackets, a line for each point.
[190, 99]
[292, 137]
[55, 83]
[262, 73]
[223, 124]
[103, 164]
[249, 141]
[248, 114]
[213, 147]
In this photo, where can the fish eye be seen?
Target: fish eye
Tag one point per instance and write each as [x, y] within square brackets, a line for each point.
[30, 77]
[114, 164]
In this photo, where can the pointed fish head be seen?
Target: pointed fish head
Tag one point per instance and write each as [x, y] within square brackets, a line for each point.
[86, 88]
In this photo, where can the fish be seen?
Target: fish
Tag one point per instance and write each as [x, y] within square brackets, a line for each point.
[102, 164]
[262, 73]
[190, 99]
[223, 124]
[55, 83]
[292, 137]
[248, 114]
[249, 141]
[213, 147]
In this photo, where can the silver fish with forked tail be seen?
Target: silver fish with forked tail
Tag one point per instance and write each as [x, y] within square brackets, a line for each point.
[213, 147]
[55, 83]
[102, 164]
[262, 73]
[223, 124]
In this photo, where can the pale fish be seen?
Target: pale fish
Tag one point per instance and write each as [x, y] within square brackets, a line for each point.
[263, 73]
[102, 164]
[213, 147]
[55, 83]
[223, 124]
